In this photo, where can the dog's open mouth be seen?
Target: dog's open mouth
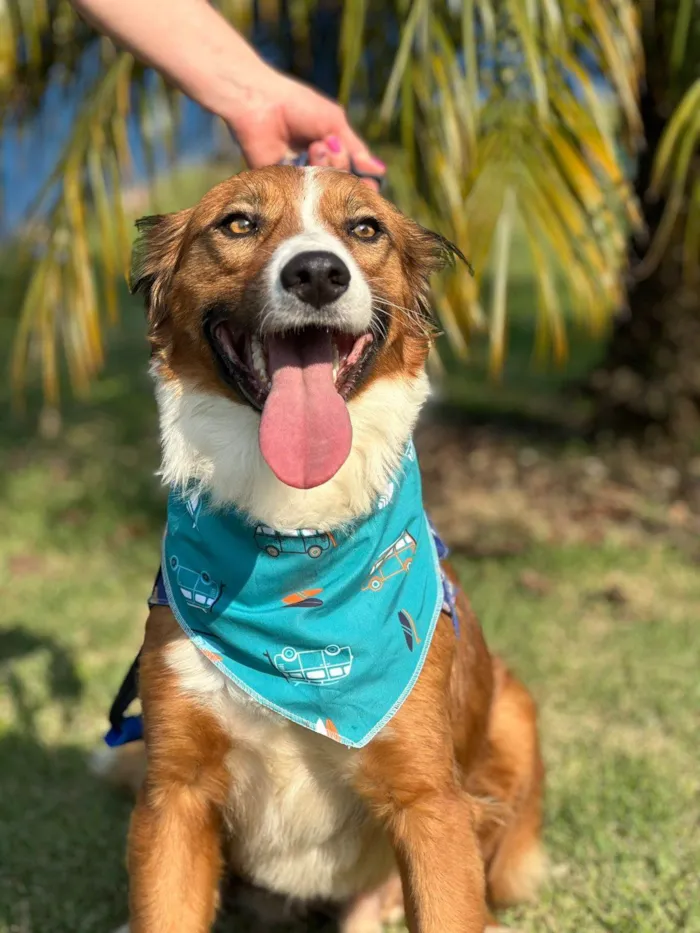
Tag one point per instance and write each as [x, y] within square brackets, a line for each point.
[301, 381]
[246, 357]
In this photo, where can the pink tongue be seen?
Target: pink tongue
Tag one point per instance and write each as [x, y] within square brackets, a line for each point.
[305, 431]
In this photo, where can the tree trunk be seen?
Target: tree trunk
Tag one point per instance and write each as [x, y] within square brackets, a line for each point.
[648, 384]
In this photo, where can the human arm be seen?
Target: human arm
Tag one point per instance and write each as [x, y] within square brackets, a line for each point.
[198, 51]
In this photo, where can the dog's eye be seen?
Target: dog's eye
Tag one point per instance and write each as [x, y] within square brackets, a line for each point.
[238, 225]
[366, 229]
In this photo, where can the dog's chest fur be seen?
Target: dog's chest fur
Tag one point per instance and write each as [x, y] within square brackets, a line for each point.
[300, 828]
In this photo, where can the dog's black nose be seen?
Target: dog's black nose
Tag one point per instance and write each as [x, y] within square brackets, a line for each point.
[316, 277]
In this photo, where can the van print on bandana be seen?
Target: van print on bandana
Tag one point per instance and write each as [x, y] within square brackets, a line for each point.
[320, 627]
[199, 589]
[397, 558]
[303, 541]
[319, 667]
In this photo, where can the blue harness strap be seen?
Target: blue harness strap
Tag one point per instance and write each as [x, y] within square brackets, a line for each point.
[158, 595]
[125, 729]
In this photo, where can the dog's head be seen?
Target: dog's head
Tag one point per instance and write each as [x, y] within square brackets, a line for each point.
[288, 318]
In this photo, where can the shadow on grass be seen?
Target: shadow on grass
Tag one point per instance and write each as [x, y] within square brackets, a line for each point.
[62, 852]
[62, 841]
[245, 908]
[62, 679]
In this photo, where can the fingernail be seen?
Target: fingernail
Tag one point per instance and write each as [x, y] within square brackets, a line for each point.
[334, 144]
[379, 163]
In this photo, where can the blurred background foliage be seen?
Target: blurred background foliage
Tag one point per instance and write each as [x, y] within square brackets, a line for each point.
[567, 128]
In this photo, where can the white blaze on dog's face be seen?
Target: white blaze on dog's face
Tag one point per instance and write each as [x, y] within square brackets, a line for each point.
[290, 329]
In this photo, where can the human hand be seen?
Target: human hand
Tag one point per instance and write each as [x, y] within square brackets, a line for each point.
[194, 47]
[279, 116]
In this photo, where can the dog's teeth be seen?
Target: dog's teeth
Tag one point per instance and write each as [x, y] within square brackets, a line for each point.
[258, 356]
[336, 360]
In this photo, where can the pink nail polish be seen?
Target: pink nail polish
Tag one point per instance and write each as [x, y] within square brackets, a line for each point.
[379, 163]
[334, 144]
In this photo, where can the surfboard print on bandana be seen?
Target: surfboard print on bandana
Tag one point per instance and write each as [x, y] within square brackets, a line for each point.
[409, 629]
[194, 504]
[319, 627]
[304, 599]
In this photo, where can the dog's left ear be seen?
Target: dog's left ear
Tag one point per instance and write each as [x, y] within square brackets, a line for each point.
[427, 252]
[432, 251]
[154, 260]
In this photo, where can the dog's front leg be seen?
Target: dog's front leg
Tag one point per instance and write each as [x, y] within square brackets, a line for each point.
[174, 863]
[440, 864]
[409, 777]
[439, 859]
[175, 844]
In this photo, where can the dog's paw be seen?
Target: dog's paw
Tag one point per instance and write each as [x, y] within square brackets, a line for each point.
[101, 762]
[124, 766]
[372, 912]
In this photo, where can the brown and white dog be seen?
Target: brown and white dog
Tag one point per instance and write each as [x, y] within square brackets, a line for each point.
[311, 270]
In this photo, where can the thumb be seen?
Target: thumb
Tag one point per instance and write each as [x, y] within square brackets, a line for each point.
[259, 151]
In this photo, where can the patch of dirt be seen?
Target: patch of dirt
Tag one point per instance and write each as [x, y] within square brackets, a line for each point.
[535, 583]
[492, 494]
[25, 565]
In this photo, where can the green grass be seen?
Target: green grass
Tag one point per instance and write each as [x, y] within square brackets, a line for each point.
[617, 683]
[619, 694]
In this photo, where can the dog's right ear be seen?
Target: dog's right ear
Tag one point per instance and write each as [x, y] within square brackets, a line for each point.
[154, 261]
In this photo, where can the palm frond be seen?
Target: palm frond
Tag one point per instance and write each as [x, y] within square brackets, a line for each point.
[499, 114]
[62, 300]
[37, 38]
[676, 176]
[502, 244]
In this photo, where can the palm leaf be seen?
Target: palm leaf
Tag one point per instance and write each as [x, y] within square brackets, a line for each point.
[510, 126]
[502, 244]
[69, 308]
[676, 176]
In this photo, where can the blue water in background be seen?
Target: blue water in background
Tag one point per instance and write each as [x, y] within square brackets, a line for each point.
[28, 157]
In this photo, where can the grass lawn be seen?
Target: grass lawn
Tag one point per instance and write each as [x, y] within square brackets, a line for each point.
[616, 678]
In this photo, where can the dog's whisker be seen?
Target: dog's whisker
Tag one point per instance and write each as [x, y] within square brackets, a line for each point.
[412, 313]
[424, 327]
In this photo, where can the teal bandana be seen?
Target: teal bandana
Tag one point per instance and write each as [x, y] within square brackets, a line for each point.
[329, 630]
